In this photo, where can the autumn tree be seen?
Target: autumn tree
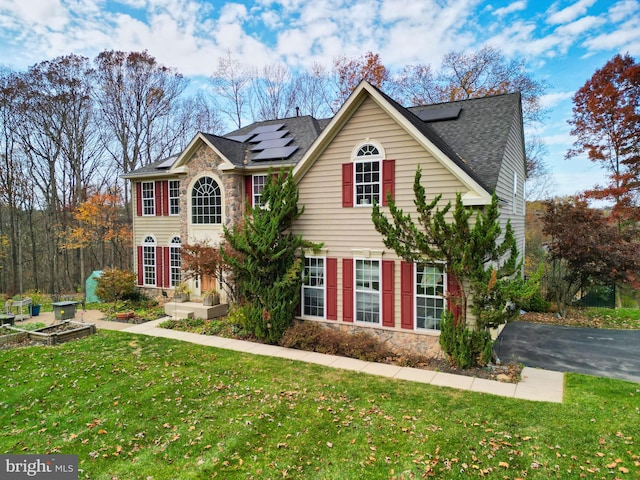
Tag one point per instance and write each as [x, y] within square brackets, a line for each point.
[58, 134]
[265, 258]
[102, 229]
[606, 123]
[586, 249]
[349, 72]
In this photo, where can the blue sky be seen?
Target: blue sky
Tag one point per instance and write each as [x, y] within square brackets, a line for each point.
[562, 42]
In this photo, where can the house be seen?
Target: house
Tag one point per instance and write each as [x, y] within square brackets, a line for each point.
[342, 165]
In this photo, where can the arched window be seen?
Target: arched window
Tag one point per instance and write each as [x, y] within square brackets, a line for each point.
[175, 262]
[206, 202]
[367, 174]
[149, 260]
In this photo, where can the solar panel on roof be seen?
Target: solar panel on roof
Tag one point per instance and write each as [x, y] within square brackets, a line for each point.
[267, 128]
[241, 138]
[276, 153]
[269, 136]
[436, 114]
[168, 162]
[275, 143]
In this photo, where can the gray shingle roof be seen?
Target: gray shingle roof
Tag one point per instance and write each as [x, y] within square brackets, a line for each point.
[303, 130]
[480, 134]
[476, 139]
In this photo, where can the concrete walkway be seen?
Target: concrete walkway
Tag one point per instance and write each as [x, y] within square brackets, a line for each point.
[535, 384]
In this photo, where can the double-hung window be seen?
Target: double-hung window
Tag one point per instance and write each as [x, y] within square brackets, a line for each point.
[257, 185]
[367, 175]
[174, 197]
[149, 260]
[206, 202]
[148, 198]
[430, 295]
[175, 262]
[313, 287]
[368, 291]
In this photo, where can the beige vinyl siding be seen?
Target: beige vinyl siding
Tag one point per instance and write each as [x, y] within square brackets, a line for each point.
[342, 230]
[514, 162]
[162, 227]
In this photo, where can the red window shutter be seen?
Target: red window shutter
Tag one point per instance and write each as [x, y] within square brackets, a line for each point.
[347, 289]
[453, 296]
[167, 265]
[332, 288]
[140, 266]
[159, 267]
[248, 190]
[388, 306]
[157, 201]
[139, 199]
[347, 184]
[165, 197]
[406, 295]
[388, 179]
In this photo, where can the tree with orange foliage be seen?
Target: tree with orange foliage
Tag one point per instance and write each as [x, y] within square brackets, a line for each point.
[606, 122]
[350, 72]
[102, 228]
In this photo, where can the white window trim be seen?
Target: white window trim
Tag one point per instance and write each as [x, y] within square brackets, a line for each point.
[355, 291]
[415, 295]
[177, 198]
[324, 289]
[367, 159]
[174, 246]
[253, 188]
[149, 244]
[152, 199]
[222, 202]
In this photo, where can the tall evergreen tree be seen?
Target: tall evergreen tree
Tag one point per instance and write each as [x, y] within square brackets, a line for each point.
[269, 259]
[480, 258]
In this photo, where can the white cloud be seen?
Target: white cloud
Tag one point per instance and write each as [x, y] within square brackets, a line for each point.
[569, 13]
[626, 38]
[512, 7]
[36, 13]
[550, 100]
[584, 24]
[624, 10]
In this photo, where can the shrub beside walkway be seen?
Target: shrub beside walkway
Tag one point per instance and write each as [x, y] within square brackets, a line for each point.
[536, 384]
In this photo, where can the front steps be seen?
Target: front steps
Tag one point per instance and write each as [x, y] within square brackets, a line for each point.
[179, 310]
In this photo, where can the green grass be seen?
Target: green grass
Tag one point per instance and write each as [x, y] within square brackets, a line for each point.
[620, 318]
[138, 407]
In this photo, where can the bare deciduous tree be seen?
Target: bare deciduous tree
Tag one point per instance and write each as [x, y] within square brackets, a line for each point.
[231, 82]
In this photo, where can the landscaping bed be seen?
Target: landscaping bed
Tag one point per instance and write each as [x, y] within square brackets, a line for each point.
[312, 337]
[13, 337]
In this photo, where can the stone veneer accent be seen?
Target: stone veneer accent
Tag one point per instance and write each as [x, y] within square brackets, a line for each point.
[394, 340]
[206, 160]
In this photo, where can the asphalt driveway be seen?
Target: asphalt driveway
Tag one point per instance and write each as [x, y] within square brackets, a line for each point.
[604, 353]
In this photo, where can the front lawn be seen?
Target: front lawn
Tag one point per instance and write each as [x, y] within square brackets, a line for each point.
[138, 407]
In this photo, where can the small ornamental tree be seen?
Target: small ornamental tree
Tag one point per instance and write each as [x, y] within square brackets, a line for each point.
[586, 248]
[267, 260]
[116, 285]
[481, 259]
